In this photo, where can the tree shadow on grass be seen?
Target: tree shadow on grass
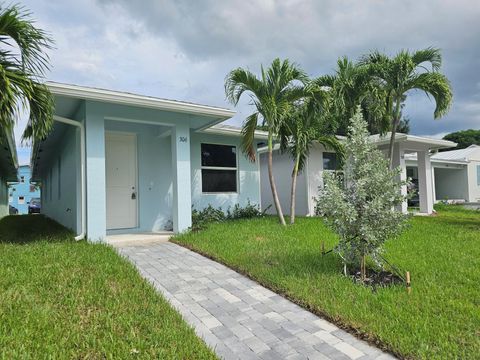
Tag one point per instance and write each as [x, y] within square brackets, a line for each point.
[24, 229]
[465, 223]
[306, 263]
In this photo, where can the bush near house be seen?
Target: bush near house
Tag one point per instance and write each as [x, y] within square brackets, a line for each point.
[201, 218]
[440, 319]
[63, 299]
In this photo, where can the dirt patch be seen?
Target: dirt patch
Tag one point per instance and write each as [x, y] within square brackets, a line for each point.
[376, 279]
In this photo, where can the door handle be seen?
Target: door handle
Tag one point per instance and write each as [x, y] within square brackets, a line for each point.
[134, 195]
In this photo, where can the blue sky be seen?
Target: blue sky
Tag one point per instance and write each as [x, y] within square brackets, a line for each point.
[183, 49]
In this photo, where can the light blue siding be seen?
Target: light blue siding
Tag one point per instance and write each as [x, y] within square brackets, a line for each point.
[248, 175]
[3, 198]
[169, 171]
[63, 204]
[95, 163]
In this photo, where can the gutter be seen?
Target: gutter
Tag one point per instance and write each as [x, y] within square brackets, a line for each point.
[83, 194]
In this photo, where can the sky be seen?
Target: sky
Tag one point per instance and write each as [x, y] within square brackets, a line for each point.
[183, 49]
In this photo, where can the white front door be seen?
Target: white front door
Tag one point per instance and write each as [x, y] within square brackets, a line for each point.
[121, 180]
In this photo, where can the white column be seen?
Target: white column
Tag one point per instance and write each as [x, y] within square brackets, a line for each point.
[425, 191]
[399, 161]
[182, 189]
[434, 198]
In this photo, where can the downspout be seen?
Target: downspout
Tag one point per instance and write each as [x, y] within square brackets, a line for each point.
[83, 194]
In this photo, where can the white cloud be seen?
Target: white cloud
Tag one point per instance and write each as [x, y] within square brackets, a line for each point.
[183, 49]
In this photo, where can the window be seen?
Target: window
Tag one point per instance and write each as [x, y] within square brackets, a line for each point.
[219, 168]
[22, 179]
[330, 161]
[21, 200]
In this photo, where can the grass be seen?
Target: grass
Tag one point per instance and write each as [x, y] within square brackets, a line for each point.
[440, 319]
[66, 299]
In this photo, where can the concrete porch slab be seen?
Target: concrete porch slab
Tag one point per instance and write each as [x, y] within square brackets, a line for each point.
[138, 239]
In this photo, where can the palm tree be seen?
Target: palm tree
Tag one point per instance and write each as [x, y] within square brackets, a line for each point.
[300, 131]
[273, 96]
[409, 71]
[350, 86]
[23, 62]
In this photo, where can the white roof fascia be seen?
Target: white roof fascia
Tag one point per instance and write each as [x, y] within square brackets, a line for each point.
[125, 98]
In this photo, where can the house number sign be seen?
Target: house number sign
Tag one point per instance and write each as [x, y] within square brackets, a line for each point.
[182, 139]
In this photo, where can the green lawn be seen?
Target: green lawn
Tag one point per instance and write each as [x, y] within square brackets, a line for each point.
[72, 300]
[440, 319]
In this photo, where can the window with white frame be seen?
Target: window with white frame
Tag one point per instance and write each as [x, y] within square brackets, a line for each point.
[22, 179]
[219, 168]
[21, 200]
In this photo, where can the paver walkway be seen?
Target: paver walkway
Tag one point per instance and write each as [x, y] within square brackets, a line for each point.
[236, 316]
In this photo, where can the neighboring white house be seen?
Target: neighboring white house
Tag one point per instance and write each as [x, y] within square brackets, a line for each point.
[321, 159]
[457, 174]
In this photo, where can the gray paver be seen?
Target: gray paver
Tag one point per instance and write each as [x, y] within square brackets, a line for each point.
[237, 317]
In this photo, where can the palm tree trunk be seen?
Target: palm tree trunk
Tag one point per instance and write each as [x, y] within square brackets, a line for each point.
[276, 201]
[293, 190]
[395, 122]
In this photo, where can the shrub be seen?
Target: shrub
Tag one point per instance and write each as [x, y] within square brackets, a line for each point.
[360, 205]
[209, 214]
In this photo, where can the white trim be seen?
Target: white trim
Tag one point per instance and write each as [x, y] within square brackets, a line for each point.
[437, 143]
[89, 93]
[237, 169]
[259, 134]
[136, 121]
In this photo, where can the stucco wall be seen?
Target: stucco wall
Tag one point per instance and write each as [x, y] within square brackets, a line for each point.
[248, 175]
[60, 199]
[451, 184]
[154, 159]
[473, 186]
[282, 171]
[3, 198]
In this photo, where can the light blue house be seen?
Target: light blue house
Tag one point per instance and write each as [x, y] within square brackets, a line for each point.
[8, 167]
[21, 193]
[117, 162]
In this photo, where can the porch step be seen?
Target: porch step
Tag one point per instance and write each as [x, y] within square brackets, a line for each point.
[138, 239]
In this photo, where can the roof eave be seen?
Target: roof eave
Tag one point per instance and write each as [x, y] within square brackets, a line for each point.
[138, 100]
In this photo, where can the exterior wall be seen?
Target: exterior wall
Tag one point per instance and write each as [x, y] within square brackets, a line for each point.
[22, 189]
[248, 176]
[3, 198]
[60, 197]
[154, 183]
[315, 175]
[282, 171]
[451, 183]
[473, 181]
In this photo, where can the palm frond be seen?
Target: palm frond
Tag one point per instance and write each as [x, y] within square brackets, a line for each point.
[41, 106]
[430, 55]
[248, 136]
[239, 81]
[16, 24]
[436, 85]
